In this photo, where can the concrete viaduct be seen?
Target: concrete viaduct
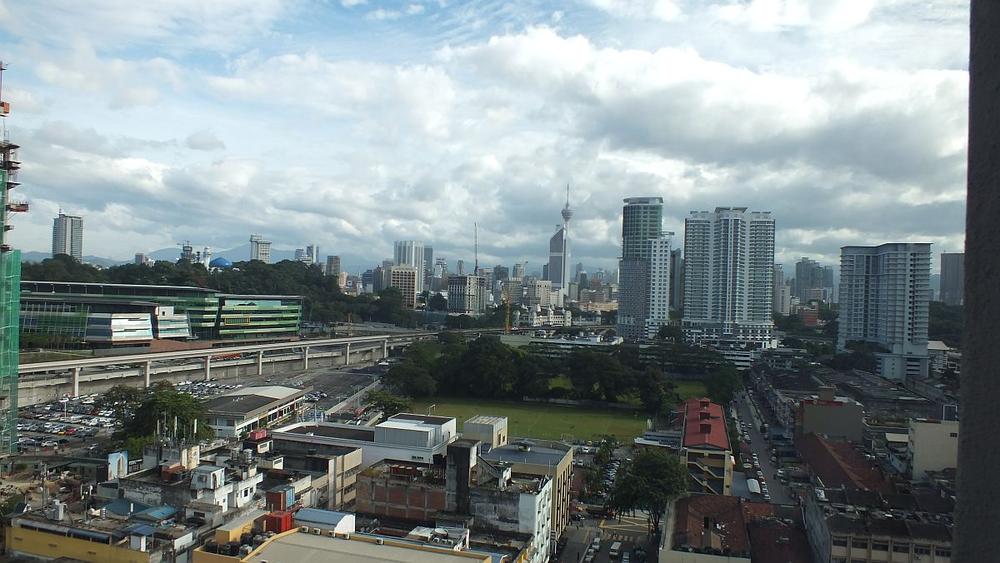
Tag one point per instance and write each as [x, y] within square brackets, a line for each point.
[50, 381]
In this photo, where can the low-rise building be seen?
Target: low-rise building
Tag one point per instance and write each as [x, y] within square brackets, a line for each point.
[870, 528]
[541, 458]
[403, 437]
[250, 408]
[827, 414]
[707, 529]
[489, 496]
[706, 450]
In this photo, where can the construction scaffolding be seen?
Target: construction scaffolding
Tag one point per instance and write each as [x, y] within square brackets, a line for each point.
[10, 285]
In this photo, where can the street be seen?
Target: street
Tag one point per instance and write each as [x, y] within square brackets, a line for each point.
[779, 493]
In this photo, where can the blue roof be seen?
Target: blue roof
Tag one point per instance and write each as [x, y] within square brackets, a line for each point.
[139, 530]
[121, 506]
[157, 513]
[318, 516]
[220, 262]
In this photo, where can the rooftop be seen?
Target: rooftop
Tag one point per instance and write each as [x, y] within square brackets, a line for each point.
[839, 464]
[704, 424]
[426, 419]
[343, 432]
[309, 548]
[486, 419]
[527, 453]
[251, 400]
[710, 522]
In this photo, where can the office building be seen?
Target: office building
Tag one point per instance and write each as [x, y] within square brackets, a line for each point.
[411, 253]
[518, 271]
[729, 276]
[142, 260]
[501, 273]
[308, 255]
[10, 289]
[428, 267]
[884, 300]
[538, 293]
[660, 280]
[260, 249]
[67, 235]
[813, 282]
[333, 267]
[642, 222]
[404, 278]
[76, 312]
[952, 278]
[467, 295]
[676, 279]
[251, 408]
[460, 267]
[782, 299]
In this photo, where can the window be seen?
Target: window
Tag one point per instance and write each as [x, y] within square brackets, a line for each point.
[839, 541]
[922, 549]
[942, 551]
[859, 543]
[880, 546]
[898, 547]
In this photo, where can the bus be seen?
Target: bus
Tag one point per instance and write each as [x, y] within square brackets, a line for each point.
[615, 551]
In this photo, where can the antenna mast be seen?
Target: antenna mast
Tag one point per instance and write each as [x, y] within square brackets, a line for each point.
[475, 270]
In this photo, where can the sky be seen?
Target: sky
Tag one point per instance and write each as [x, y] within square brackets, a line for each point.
[354, 123]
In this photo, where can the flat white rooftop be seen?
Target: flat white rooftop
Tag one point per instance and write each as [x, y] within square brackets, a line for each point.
[309, 548]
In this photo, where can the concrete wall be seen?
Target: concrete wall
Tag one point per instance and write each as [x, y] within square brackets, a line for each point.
[843, 420]
[933, 446]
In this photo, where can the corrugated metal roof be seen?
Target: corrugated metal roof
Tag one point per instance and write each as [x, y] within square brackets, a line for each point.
[318, 516]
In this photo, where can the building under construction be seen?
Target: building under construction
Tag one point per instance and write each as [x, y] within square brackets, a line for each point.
[10, 283]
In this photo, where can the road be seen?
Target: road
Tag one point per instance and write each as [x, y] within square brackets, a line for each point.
[779, 493]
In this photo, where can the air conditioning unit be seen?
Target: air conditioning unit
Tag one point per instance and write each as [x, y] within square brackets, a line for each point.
[379, 541]
[331, 533]
[304, 529]
[317, 531]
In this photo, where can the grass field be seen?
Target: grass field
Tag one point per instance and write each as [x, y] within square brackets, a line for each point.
[543, 420]
[688, 389]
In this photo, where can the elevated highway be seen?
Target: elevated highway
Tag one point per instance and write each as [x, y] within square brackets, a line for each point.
[50, 381]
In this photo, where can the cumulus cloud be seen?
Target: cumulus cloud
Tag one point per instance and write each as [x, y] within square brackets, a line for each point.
[331, 143]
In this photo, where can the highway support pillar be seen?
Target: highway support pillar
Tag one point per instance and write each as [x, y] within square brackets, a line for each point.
[305, 357]
[76, 381]
[147, 372]
[347, 355]
[385, 348]
[208, 368]
[260, 362]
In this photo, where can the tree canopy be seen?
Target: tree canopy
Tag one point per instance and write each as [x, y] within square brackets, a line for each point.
[651, 481]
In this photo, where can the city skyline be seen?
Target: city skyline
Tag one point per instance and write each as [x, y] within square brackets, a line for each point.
[174, 147]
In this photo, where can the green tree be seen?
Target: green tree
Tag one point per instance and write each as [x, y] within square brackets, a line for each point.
[388, 403]
[123, 400]
[164, 409]
[595, 375]
[412, 379]
[723, 384]
[652, 481]
[437, 302]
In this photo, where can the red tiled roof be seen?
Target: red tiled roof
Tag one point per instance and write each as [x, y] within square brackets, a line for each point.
[838, 464]
[701, 415]
[725, 523]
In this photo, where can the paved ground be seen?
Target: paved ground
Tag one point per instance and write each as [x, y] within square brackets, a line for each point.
[779, 493]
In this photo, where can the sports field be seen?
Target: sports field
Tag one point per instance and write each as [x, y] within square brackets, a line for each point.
[543, 420]
[688, 389]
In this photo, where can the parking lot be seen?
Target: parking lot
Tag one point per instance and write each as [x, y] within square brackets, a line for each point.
[69, 423]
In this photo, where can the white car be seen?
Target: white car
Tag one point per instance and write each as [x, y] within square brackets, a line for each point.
[49, 444]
